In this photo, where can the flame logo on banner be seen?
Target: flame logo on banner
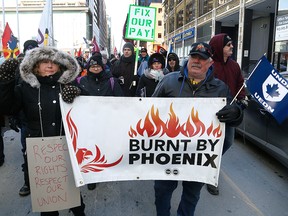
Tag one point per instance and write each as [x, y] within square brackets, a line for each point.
[154, 126]
[99, 163]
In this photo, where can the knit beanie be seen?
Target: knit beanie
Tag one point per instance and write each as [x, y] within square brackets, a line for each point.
[29, 44]
[226, 39]
[95, 59]
[130, 46]
[156, 57]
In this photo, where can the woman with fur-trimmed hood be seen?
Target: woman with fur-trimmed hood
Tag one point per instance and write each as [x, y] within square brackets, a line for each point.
[45, 72]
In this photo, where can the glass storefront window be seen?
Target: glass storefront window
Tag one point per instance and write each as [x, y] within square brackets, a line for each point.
[281, 39]
[282, 7]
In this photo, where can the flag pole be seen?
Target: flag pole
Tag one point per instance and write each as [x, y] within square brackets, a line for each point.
[3, 14]
[18, 30]
[52, 33]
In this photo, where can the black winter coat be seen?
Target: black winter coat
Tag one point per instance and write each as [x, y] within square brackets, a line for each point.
[38, 97]
[125, 68]
[102, 84]
[148, 84]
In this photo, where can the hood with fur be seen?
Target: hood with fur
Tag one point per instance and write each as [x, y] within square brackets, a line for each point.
[70, 65]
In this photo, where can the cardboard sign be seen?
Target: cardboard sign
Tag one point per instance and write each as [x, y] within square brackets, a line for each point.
[50, 173]
[141, 23]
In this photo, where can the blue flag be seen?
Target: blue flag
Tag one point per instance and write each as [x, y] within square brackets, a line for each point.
[270, 89]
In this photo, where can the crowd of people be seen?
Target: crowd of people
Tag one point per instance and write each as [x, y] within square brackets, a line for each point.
[209, 72]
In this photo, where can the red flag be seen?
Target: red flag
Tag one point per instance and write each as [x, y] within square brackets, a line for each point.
[79, 52]
[160, 49]
[9, 43]
[115, 51]
[95, 45]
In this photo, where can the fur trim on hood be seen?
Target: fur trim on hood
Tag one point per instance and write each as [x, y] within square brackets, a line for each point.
[71, 71]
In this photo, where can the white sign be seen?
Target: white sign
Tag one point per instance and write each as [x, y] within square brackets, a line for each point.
[129, 138]
[50, 173]
[141, 23]
[281, 32]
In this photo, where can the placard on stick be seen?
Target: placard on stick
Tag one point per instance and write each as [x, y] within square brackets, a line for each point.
[141, 23]
[51, 178]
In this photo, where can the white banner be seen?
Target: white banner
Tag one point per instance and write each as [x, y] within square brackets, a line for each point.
[50, 174]
[122, 138]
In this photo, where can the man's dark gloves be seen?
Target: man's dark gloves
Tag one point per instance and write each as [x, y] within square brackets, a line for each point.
[7, 69]
[14, 123]
[69, 93]
[231, 115]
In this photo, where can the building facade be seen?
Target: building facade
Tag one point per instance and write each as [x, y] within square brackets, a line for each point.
[72, 22]
[250, 23]
[159, 29]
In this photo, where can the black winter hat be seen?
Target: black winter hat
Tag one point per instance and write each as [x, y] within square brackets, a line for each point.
[130, 46]
[95, 59]
[226, 39]
[30, 44]
[156, 57]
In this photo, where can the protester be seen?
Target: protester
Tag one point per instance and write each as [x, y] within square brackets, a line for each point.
[142, 61]
[152, 75]
[44, 72]
[227, 70]
[105, 60]
[124, 70]
[98, 82]
[143, 55]
[18, 121]
[112, 59]
[172, 63]
[82, 63]
[194, 80]
[2, 155]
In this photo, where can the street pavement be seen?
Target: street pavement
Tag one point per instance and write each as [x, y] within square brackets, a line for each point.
[251, 184]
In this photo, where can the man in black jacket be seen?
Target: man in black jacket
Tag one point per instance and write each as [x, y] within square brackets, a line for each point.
[124, 70]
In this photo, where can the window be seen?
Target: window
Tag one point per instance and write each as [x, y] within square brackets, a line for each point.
[159, 23]
[190, 12]
[179, 19]
[205, 6]
[159, 35]
[159, 10]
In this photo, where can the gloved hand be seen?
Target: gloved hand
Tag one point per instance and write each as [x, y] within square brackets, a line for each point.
[229, 114]
[13, 123]
[135, 78]
[7, 69]
[69, 93]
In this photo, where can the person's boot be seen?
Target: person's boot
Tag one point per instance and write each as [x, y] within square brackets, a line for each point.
[91, 186]
[212, 189]
[25, 190]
